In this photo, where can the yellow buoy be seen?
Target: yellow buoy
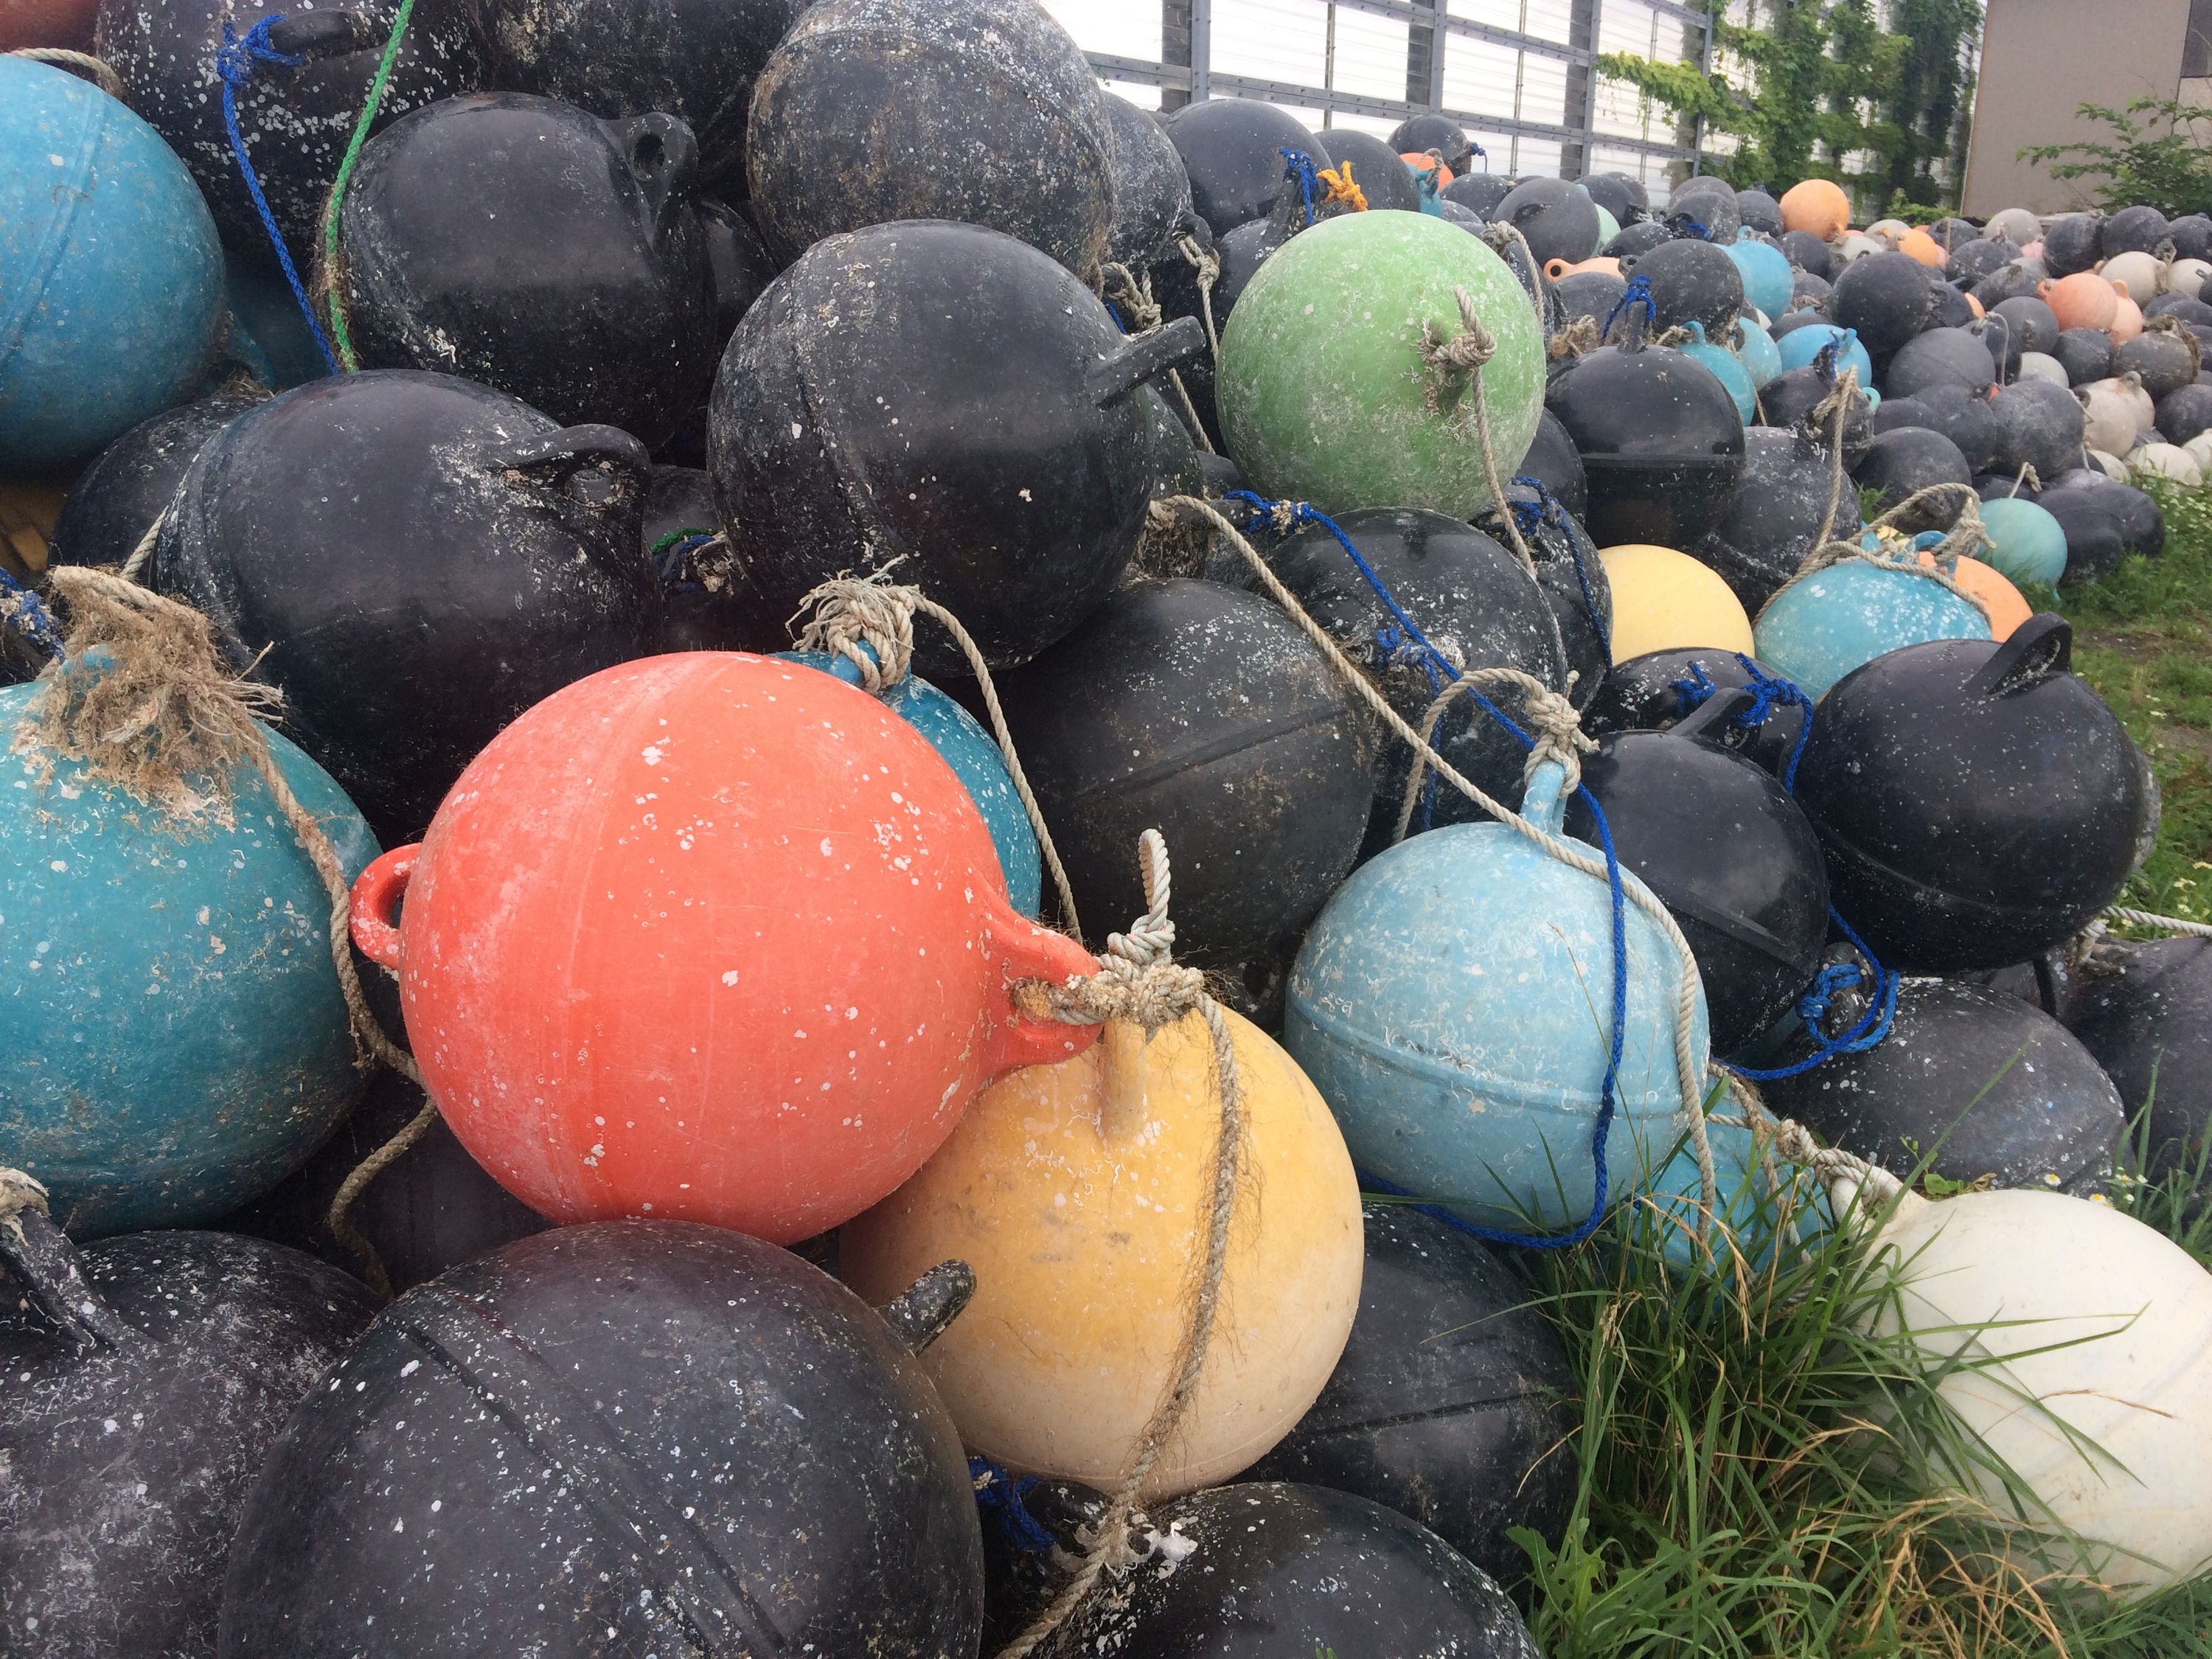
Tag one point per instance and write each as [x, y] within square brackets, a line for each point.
[1663, 601]
[1076, 1192]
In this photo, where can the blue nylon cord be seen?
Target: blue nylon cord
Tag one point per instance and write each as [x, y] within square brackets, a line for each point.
[1637, 293]
[26, 614]
[1300, 512]
[234, 64]
[1545, 508]
[1298, 165]
[1005, 1495]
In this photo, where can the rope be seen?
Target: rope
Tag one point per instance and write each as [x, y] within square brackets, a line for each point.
[1344, 192]
[98, 68]
[1207, 265]
[1006, 1496]
[1637, 293]
[1464, 354]
[1547, 508]
[2028, 475]
[1832, 1165]
[1500, 235]
[1581, 336]
[166, 712]
[850, 614]
[2151, 918]
[1837, 406]
[234, 65]
[331, 284]
[1560, 737]
[144, 553]
[19, 1192]
[1136, 293]
[25, 613]
[1606, 868]
[1298, 169]
[2183, 332]
[1139, 982]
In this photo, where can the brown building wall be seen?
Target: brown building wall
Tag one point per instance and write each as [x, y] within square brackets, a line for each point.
[2042, 58]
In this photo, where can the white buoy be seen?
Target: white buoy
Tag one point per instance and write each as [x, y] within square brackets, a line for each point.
[2168, 461]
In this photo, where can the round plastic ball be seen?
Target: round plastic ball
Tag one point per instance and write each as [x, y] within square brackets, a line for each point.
[2029, 544]
[1758, 211]
[1663, 601]
[2039, 425]
[2162, 361]
[1762, 358]
[2144, 1018]
[1703, 208]
[1802, 346]
[1811, 254]
[1940, 357]
[1231, 147]
[1617, 193]
[1766, 275]
[1884, 298]
[1478, 192]
[2034, 324]
[113, 501]
[1819, 630]
[1345, 313]
[1725, 366]
[2183, 414]
[1692, 280]
[115, 276]
[1637, 239]
[1902, 462]
[1653, 693]
[2016, 224]
[1380, 176]
[1660, 440]
[2086, 353]
[2096, 541]
[1777, 516]
[2072, 243]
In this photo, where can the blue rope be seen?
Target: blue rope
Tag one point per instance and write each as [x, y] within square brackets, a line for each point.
[1005, 1495]
[1280, 514]
[1638, 292]
[235, 64]
[1298, 165]
[24, 611]
[1770, 692]
[1697, 230]
[1546, 509]
[671, 558]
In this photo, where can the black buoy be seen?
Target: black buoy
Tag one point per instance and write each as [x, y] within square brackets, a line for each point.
[1624, 197]
[414, 559]
[1383, 179]
[2039, 425]
[1774, 519]
[2073, 242]
[1661, 440]
[739, 260]
[1972, 260]
[1906, 460]
[1656, 691]
[2137, 230]
[116, 500]
[1757, 210]
[1810, 254]
[1807, 291]
[2190, 311]
[1553, 461]
[1963, 417]
[1978, 802]
[2182, 414]
[1419, 134]
[2086, 353]
[1952, 309]
[1976, 1083]
[1691, 282]
[1278, 1572]
[1940, 357]
[147, 1378]
[2014, 279]
[2034, 326]
[684, 1436]
[2142, 525]
[1446, 1405]
[1558, 218]
[1151, 192]
[540, 250]
[1798, 400]
[2095, 540]
[2163, 362]
[1232, 148]
[1732, 857]
[1704, 208]
[1637, 239]
[872, 111]
[431, 1208]
[2144, 1011]
[1479, 193]
[1592, 294]
[619, 58]
[2192, 236]
[1884, 298]
[946, 400]
[1200, 711]
[296, 119]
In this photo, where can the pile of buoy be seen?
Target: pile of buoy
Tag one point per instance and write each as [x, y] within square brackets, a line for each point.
[604, 607]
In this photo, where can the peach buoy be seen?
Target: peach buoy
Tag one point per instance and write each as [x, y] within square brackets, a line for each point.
[1078, 1191]
[709, 938]
[1818, 205]
[1663, 601]
[2085, 300]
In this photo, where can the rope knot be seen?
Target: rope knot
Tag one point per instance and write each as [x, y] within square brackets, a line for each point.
[20, 1192]
[1132, 294]
[1298, 169]
[1463, 353]
[1637, 293]
[1345, 194]
[870, 624]
[235, 58]
[1552, 721]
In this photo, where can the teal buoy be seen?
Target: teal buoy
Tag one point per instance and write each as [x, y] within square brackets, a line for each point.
[111, 276]
[1756, 1214]
[1800, 346]
[174, 1040]
[1762, 358]
[974, 756]
[2027, 543]
[1818, 628]
[1768, 279]
[1450, 1005]
[1727, 368]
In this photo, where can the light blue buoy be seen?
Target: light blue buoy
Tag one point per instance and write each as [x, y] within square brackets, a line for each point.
[111, 276]
[1758, 1209]
[1453, 1004]
[1800, 346]
[172, 1035]
[1768, 280]
[1727, 368]
[975, 759]
[1821, 627]
[1762, 358]
[2027, 543]
[1607, 226]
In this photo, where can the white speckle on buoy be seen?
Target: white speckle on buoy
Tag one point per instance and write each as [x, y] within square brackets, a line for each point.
[730, 977]
[437, 1503]
[825, 846]
[203, 917]
[795, 430]
[108, 1425]
[410, 1367]
[851, 1013]
[650, 754]
[399, 1525]
[58, 865]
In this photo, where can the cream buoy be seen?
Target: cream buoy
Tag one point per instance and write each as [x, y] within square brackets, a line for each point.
[2076, 1343]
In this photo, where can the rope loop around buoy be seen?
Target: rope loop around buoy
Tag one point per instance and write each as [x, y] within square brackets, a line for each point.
[1455, 357]
[1876, 1186]
[1207, 265]
[1137, 980]
[1500, 236]
[101, 71]
[1557, 730]
[1690, 1077]
[852, 612]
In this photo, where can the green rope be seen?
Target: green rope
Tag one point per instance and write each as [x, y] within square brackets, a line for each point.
[338, 331]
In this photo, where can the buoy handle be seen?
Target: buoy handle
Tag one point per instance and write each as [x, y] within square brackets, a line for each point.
[376, 895]
[1031, 953]
[2040, 647]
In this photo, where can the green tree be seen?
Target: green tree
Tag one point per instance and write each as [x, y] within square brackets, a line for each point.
[2159, 159]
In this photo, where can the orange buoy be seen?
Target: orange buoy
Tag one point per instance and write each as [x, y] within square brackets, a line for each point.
[2085, 300]
[1919, 245]
[2008, 609]
[714, 938]
[1421, 162]
[2127, 316]
[1818, 205]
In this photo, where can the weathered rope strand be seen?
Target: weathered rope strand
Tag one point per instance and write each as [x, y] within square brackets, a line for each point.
[102, 73]
[2180, 925]
[142, 554]
[333, 276]
[1207, 265]
[1137, 977]
[1559, 734]
[1465, 353]
[1119, 286]
[849, 612]
[1688, 1078]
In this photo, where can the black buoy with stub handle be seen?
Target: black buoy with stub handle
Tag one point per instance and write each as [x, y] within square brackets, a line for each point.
[629, 1436]
[146, 1377]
